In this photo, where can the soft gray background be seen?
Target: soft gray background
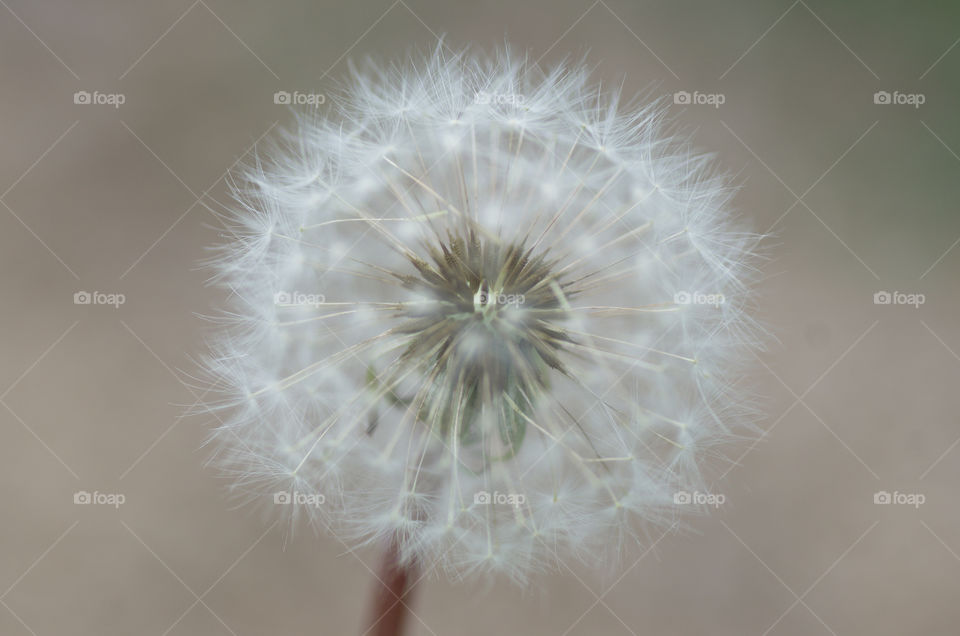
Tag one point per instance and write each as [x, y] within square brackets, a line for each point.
[860, 198]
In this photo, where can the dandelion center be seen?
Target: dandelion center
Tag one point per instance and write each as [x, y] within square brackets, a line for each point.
[486, 329]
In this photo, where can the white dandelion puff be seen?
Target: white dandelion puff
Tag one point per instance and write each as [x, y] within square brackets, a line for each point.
[488, 311]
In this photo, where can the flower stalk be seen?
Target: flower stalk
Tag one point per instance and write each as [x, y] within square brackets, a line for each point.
[390, 607]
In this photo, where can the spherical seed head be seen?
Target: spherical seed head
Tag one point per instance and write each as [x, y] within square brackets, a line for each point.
[485, 310]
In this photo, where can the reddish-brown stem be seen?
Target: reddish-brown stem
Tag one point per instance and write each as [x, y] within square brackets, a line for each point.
[392, 595]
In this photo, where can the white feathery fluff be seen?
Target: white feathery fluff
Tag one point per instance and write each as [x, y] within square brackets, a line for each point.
[486, 310]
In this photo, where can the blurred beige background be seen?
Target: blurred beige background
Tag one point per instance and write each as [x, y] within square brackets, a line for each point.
[860, 198]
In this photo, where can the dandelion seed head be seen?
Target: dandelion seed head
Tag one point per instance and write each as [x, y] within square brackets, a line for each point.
[485, 309]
